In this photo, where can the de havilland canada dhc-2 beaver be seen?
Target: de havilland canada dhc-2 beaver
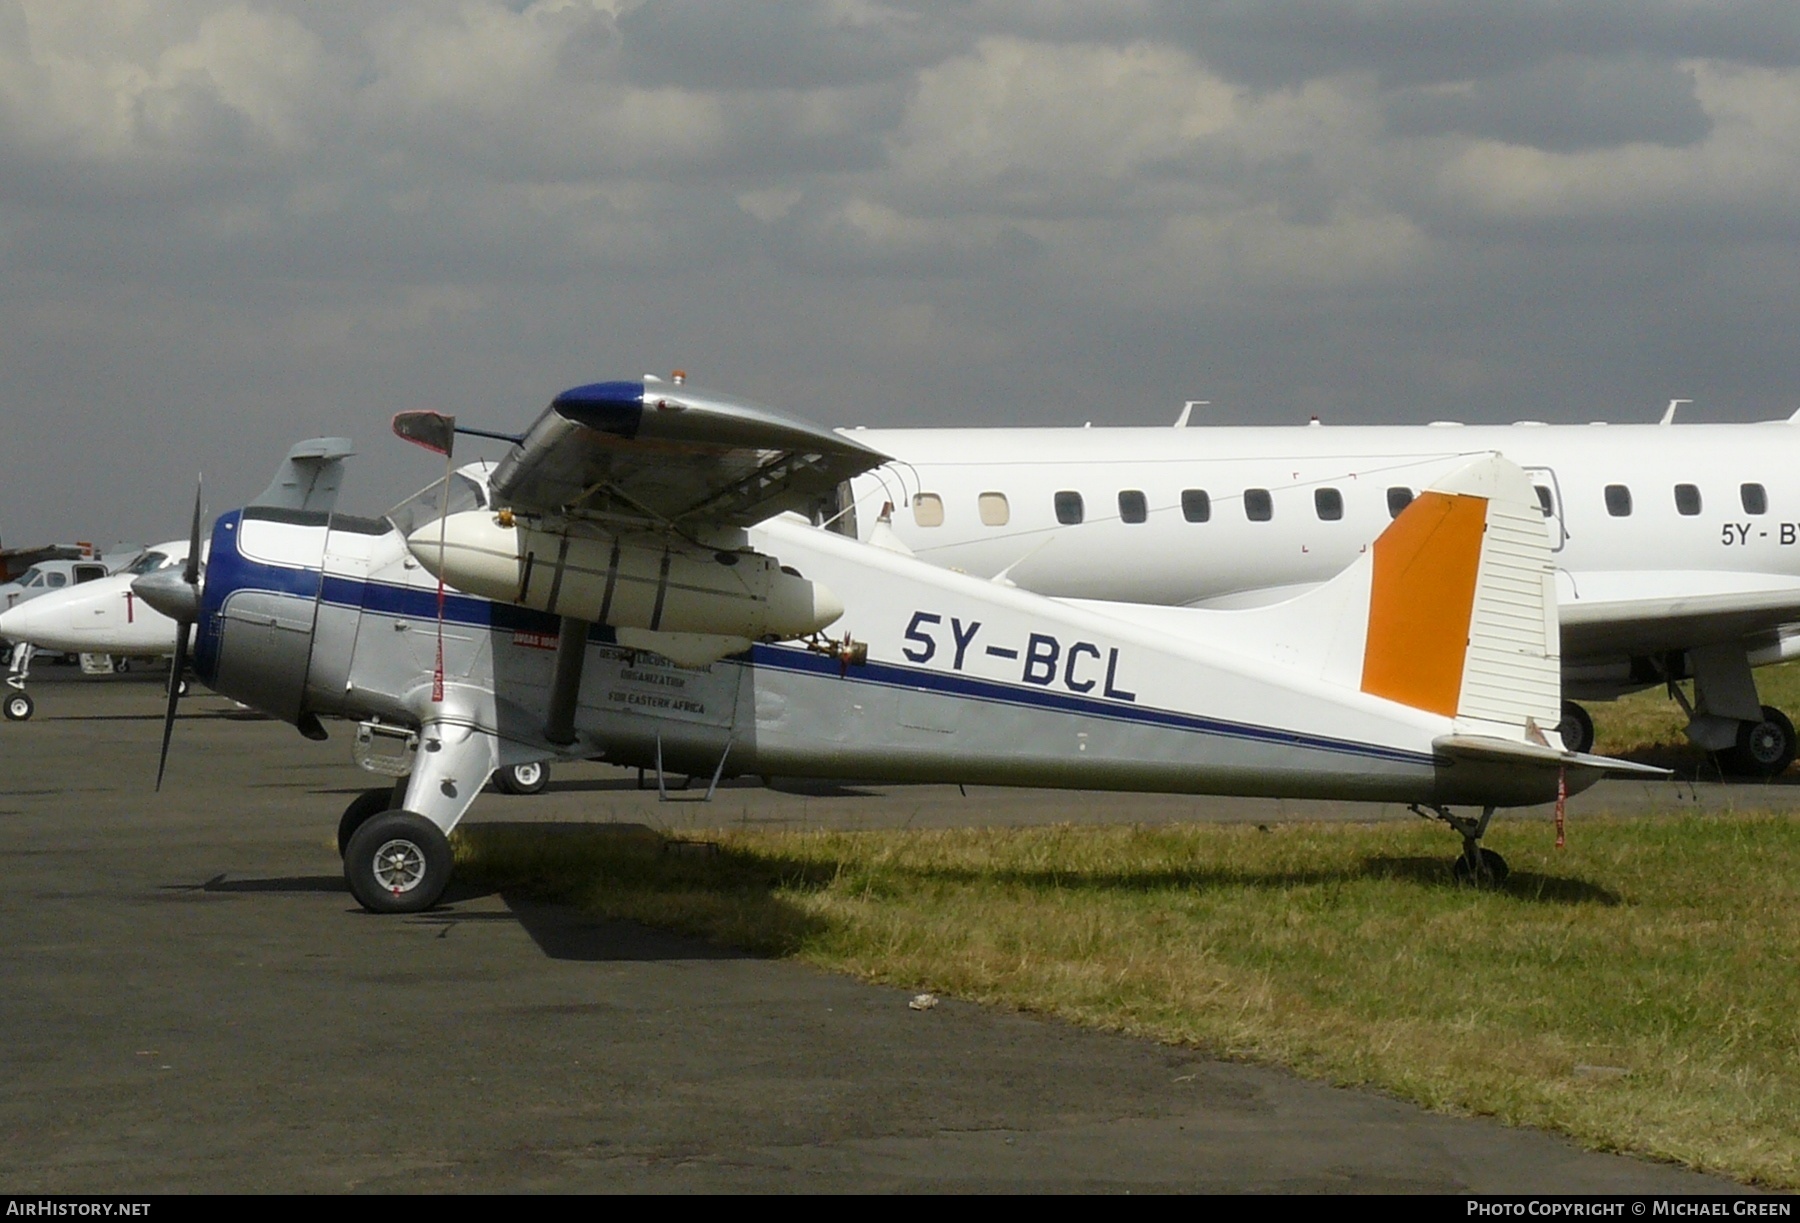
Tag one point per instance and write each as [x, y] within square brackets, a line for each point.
[641, 579]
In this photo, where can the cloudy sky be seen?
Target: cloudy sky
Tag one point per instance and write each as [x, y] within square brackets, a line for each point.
[228, 225]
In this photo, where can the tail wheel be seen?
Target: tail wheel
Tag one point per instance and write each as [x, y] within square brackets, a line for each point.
[18, 707]
[528, 778]
[397, 862]
[1488, 869]
[1576, 728]
[1765, 748]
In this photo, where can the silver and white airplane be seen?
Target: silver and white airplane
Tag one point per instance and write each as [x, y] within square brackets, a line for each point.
[637, 581]
[1676, 546]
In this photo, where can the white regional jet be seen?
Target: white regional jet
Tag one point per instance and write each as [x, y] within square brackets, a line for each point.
[633, 581]
[1676, 547]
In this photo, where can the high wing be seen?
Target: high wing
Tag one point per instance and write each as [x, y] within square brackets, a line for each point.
[676, 455]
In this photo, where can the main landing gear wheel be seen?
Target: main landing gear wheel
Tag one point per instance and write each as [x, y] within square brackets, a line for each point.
[121, 666]
[363, 808]
[19, 707]
[1765, 748]
[1576, 728]
[522, 778]
[397, 862]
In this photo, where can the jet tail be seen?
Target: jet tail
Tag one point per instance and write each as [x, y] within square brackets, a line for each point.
[308, 478]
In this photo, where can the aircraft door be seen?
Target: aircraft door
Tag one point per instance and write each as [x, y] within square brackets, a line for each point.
[1549, 495]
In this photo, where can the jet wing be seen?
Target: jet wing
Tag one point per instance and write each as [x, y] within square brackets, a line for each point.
[1609, 614]
[674, 454]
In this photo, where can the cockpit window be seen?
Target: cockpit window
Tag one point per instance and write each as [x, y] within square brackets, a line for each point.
[149, 562]
[54, 580]
[428, 504]
[33, 577]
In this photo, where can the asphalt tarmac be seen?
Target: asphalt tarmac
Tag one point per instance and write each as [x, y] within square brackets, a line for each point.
[194, 1003]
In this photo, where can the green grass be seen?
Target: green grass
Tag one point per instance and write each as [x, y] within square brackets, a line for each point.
[1636, 991]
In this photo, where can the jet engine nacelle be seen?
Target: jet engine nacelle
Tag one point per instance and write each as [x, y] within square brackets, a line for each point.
[627, 580]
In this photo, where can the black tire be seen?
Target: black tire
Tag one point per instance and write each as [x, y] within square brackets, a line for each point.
[529, 778]
[363, 808]
[1491, 873]
[397, 862]
[1765, 748]
[18, 707]
[1576, 728]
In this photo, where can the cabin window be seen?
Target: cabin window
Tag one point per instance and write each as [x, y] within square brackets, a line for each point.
[1756, 500]
[1618, 501]
[1546, 499]
[1258, 505]
[994, 510]
[54, 579]
[1329, 503]
[928, 510]
[1132, 507]
[1399, 497]
[1068, 508]
[1196, 506]
[1687, 500]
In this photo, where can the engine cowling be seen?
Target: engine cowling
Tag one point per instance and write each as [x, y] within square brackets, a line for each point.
[627, 580]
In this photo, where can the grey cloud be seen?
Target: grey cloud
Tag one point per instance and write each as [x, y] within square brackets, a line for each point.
[1564, 104]
[1271, 43]
[774, 44]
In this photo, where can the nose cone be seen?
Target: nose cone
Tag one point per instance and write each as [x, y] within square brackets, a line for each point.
[165, 590]
[19, 622]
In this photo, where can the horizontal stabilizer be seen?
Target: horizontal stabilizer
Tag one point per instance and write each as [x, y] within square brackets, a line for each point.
[1485, 749]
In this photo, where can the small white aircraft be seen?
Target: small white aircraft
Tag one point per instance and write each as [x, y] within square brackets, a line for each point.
[1676, 546]
[636, 581]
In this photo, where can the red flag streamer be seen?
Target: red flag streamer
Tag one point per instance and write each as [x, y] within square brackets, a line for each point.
[1562, 801]
[437, 674]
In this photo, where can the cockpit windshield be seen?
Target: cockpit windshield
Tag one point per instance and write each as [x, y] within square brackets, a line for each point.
[149, 562]
[32, 577]
[429, 503]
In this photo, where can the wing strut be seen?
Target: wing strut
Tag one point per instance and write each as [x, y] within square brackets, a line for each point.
[565, 685]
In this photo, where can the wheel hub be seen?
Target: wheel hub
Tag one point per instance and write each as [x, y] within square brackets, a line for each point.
[399, 866]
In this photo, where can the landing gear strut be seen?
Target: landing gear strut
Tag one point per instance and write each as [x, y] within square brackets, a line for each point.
[18, 705]
[1478, 866]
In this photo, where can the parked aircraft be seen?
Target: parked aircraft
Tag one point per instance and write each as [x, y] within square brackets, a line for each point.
[1677, 547]
[634, 581]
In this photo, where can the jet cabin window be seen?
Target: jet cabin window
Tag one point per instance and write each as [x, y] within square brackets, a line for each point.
[1756, 500]
[1068, 508]
[1258, 505]
[1399, 497]
[1132, 506]
[994, 510]
[1618, 501]
[928, 510]
[1328, 503]
[1196, 506]
[1687, 500]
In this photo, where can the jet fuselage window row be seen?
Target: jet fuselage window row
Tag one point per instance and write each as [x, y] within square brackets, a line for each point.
[1134, 506]
[1753, 497]
[1328, 504]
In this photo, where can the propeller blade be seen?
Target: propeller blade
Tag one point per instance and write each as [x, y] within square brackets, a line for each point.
[175, 670]
[190, 574]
